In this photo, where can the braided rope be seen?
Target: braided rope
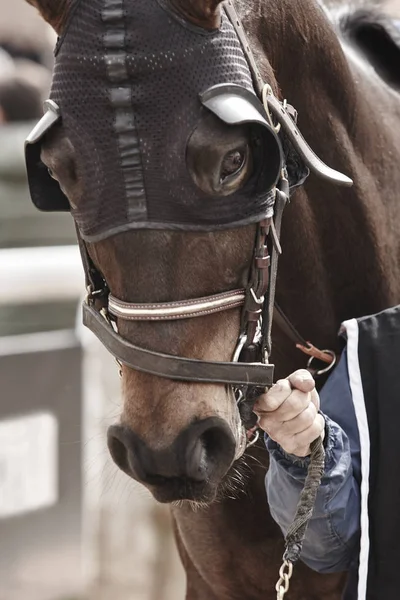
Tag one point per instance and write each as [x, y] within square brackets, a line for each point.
[295, 536]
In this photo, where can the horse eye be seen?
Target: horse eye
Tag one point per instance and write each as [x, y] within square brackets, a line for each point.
[233, 163]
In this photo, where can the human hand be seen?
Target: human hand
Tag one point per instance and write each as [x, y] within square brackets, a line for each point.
[288, 413]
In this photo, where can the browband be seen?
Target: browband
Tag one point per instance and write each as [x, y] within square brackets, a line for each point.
[171, 311]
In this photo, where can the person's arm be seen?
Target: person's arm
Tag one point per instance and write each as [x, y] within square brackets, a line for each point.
[289, 414]
[333, 531]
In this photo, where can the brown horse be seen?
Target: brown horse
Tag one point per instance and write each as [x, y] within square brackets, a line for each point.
[341, 260]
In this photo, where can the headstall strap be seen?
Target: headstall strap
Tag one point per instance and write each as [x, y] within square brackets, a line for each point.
[98, 319]
[255, 295]
[238, 26]
[96, 286]
[282, 197]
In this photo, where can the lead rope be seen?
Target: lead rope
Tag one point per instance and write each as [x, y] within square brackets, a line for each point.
[295, 536]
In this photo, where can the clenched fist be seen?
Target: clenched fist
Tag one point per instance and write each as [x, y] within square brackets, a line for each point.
[288, 413]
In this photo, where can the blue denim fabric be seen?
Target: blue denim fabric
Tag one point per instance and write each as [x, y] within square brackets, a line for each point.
[331, 543]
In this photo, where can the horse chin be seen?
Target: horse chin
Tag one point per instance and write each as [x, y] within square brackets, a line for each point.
[183, 492]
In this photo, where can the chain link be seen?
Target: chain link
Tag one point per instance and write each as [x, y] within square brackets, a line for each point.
[285, 575]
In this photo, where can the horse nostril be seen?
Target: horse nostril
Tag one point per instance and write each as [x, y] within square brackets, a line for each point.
[213, 442]
[209, 449]
[196, 460]
[118, 451]
[203, 453]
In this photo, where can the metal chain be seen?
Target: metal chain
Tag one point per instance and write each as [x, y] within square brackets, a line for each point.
[283, 584]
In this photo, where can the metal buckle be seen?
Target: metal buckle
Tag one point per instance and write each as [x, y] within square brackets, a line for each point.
[257, 301]
[328, 368]
[106, 317]
[267, 91]
[254, 439]
[239, 347]
[90, 293]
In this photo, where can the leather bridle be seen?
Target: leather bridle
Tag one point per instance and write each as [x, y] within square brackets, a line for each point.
[250, 366]
[101, 309]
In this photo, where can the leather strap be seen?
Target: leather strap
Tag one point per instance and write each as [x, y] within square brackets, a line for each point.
[287, 327]
[282, 196]
[173, 367]
[172, 311]
[238, 27]
[281, 320]
[94, 281]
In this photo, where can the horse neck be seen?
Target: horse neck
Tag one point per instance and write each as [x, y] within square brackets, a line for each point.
[335, 265]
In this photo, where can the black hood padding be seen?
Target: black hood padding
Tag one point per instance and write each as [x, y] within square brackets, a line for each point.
[128, 78]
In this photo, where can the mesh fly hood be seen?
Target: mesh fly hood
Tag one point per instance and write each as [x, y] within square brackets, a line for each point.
[127, 80]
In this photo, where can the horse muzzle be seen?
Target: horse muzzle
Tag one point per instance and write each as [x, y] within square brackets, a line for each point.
[191, 468]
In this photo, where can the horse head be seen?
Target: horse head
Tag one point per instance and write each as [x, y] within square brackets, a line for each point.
[167, 191]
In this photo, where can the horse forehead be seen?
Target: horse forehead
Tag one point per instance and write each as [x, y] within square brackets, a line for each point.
[182, 265]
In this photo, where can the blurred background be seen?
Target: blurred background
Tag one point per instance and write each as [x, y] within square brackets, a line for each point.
[71, 526]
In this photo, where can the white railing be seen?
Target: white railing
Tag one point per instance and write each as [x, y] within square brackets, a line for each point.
[44, 274]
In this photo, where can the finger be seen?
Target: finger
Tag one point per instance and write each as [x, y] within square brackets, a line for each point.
[315, 399]
[273, 399]
[302, 380]
[284, 431]
[300, 443]
[292, 406]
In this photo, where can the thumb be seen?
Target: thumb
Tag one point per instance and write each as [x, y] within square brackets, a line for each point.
[302, 380]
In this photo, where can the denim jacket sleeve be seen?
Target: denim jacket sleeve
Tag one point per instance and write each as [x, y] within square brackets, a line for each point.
[333, 532]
